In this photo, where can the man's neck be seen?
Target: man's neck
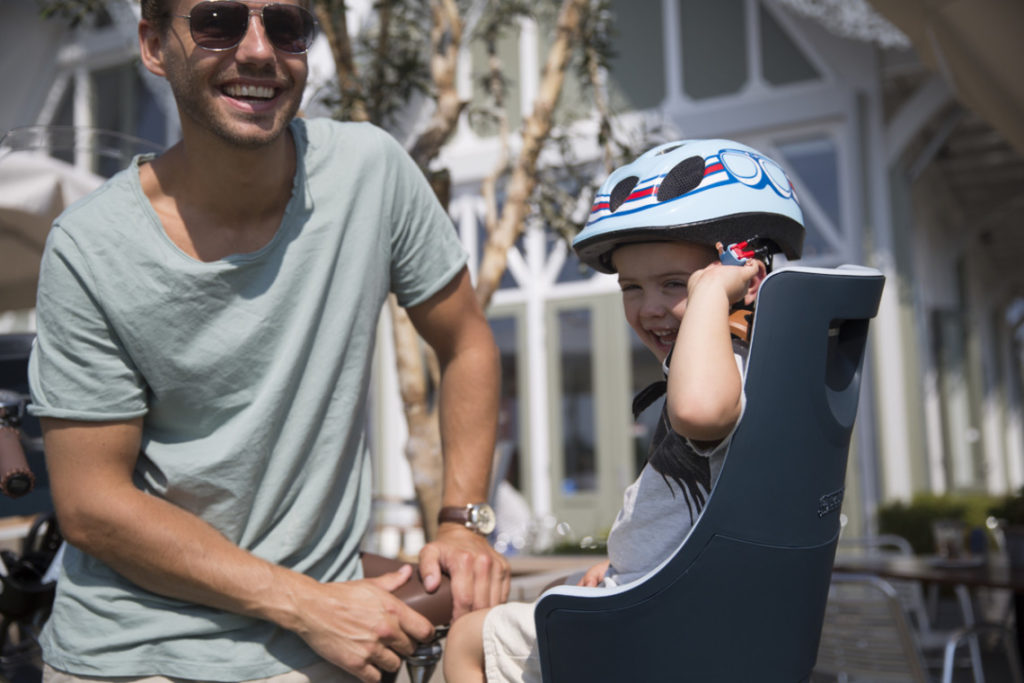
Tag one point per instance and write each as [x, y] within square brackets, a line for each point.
[216, 199]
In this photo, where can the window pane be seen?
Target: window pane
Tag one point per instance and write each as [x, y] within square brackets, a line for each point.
[573, 100]
[714, 47]
[815, 162]
[783, 61]
[508, 446]
[646, 371]
[125, 105]
[508, 52]
[636, 78]
[577, 399]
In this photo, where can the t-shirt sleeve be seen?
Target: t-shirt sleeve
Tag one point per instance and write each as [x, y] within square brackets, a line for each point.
[425, 249]
[78, 368]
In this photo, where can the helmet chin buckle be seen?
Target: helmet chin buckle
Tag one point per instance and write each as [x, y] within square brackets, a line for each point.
[738, 253]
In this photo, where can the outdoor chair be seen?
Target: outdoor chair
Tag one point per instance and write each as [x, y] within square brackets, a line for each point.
[743, 597]
[867, 637]
[917, 607]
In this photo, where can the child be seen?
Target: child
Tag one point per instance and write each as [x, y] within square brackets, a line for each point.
[661, 223]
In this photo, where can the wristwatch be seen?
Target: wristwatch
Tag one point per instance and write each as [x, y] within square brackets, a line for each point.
[478, 517]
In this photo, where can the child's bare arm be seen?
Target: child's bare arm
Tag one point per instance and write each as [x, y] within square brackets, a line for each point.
[704, 384]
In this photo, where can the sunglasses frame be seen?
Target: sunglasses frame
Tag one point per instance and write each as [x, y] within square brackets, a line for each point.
[245, 28]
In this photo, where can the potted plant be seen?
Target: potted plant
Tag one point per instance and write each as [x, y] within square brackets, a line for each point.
[1010, 513]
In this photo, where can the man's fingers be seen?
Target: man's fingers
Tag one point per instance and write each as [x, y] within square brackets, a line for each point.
[416, 625]
[430, 568]
[501, 581]
[388, 660]
[392, 581]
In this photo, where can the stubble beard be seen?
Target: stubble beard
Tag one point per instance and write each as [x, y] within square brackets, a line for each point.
[195, 103]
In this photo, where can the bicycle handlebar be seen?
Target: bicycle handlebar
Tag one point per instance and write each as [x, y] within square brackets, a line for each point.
[16, 479]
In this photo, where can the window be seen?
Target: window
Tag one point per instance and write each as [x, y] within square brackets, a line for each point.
[507, 50]
[636, 78]
[815, 164]
[714, 44]
[123, 103]
[509, 444]
[579, 452]
[646, 371]
[782, 61]
[120, 105]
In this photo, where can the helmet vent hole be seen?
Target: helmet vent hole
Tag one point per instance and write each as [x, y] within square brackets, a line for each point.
[621, 191]
[683, 177]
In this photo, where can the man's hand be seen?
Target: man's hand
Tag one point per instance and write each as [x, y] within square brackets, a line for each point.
[360, 627]
[480, 576]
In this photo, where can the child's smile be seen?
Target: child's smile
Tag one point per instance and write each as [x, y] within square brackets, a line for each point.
[653, 277]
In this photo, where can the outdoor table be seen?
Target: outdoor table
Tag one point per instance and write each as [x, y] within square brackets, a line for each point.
[970, 572]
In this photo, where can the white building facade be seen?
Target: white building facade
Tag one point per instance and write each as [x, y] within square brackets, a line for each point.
[941, 404]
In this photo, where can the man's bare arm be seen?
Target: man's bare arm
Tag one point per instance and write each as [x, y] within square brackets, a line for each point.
[453, 323]
[356, 625]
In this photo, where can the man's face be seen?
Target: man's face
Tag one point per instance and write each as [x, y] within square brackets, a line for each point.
[245, 95]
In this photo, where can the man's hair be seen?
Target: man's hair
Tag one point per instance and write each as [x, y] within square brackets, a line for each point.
[157, 13]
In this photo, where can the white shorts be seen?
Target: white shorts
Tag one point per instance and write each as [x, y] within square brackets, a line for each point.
[510, 644]
[321, 672]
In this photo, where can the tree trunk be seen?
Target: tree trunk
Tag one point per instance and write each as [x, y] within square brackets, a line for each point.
[416, 363]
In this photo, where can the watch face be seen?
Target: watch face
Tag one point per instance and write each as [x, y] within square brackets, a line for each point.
[482, 518]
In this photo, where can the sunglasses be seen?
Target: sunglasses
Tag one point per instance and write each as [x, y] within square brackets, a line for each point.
[222, 24]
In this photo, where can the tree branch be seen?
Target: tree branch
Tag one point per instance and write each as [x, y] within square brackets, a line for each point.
[536, 130]
[445, 42]
[334, 24]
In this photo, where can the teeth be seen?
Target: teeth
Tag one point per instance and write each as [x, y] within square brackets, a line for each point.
[665, 337]
[257, 91]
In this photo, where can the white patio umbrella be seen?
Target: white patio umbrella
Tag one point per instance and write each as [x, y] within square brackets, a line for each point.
[35, 187]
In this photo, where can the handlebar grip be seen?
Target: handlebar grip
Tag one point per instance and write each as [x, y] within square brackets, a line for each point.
[16, 479]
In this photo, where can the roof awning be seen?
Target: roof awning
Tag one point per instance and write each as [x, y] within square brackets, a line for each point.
[977, 46]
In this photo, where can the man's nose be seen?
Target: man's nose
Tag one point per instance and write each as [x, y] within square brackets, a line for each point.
[254, 43]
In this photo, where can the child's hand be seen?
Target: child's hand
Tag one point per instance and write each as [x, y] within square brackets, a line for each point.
[733, 281]
[595, 575]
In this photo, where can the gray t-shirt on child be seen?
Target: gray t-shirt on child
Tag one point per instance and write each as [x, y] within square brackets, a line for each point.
[656, 515]
[251, 374]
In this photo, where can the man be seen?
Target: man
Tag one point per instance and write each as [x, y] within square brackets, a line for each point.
[206, 323]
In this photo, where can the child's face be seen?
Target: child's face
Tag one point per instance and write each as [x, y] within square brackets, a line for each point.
[653, 277]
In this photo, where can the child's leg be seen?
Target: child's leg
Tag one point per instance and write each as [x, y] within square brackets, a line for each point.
[464, 650]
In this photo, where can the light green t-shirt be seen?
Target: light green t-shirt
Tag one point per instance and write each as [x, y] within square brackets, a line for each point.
[251, 373]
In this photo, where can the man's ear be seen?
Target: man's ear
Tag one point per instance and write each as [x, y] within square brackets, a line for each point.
[151, 47]
[755, 282]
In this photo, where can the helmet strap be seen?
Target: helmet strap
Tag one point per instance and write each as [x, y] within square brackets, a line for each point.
[739, 323]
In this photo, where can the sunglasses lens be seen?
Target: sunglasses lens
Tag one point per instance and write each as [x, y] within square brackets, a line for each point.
[218, 25]
[289, 27]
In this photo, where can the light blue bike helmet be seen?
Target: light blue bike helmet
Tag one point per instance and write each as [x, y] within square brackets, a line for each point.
[703, 191]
